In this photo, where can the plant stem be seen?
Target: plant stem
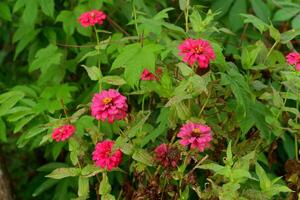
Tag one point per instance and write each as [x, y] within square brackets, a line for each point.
[270, 51]
[135, 17]
[186, 15]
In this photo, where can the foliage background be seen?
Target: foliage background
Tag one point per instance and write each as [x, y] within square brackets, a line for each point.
[250, 96]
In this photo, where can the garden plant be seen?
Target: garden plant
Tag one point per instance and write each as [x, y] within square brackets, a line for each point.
[150, 99]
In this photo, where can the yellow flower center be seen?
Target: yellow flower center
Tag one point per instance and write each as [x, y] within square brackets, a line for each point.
[196, 132]
[199, 49]
[106, 100]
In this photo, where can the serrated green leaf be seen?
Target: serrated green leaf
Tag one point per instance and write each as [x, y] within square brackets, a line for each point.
[46, 58]
[47, 7]
[143, 156]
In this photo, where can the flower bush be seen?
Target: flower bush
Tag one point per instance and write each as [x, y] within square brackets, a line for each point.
[183, 99]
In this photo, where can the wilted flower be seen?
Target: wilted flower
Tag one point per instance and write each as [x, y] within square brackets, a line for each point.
[294, 59]
[63, 132]
[167, 155]
[91, 18]
[109, 105]
[104, 157]
[199, 51]
[196, 135]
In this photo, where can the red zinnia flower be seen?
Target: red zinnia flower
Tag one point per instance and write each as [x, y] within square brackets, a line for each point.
[109, 105]
[147, 76]
[91, 18]
[104, 157]
[196, 135]
[294, 59]
[63, 132]
[199, 51]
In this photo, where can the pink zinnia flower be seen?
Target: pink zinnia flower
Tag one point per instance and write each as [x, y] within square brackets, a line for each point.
[294, 59]
[104, 157]
[91, 18]
[147, 75]
[199, 51]
[109, 105]
[63, 132]
[166, 155]
[197, 135]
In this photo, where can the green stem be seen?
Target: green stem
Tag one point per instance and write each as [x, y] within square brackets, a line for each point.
[270, 51]
[98, 60]
[296, 135]
[135, 18]
[186, 15]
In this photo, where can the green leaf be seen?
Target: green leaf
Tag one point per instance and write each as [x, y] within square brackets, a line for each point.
[83, 186]
[113, 80]
[104, 187]
[30, 12]
[69, 21]
[185, 70]
[221, 5]
[9, 100]
[91, 170]
[47, 7]
[3, 136]
[264, 181]
[5, 11]
[126, 55]
[296, 22]
[274, 33]
[44, 187]
[285, 13]
[143, 156]
[261, 10]
[229, 159]
[93, 72]
[212, 166]
[20, 124]
[46, 58]
[64, 172]
[134, 59]
[235, 19]
[256, 22]
[289, 35]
